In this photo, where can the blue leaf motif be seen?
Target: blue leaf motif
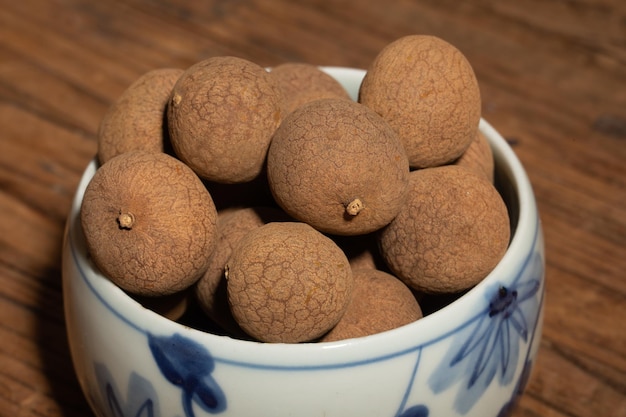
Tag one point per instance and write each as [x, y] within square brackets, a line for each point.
[507, 409]
[415, 411]
[145, 410]
[188, 365]
[490, 343]
[141, 398]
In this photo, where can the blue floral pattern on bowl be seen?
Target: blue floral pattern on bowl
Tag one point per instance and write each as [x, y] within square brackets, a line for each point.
[492, 347]
[484, 348]
[416, 411]
[183, 363]
[141, 399]
[509, 406]
[188, 365]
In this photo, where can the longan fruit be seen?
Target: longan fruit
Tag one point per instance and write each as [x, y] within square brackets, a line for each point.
[361, 250]
[149, 223]
[232, 225]
[338, 166]
[288, 283]
[136, 120]
[478, 157]
[380, 302]
[427, 91]
[301, 83]
[222, 114]
[452, 231]
[172, 306]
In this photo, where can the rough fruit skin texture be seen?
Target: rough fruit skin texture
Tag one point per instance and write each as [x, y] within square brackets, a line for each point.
[336, 165]
[222, 114]
[380, 302]
[451, 233]
[232, 225]
[288, 283]
[479, 157]
[427, 90]
[302, 83]
[165, 247]
[135, 121]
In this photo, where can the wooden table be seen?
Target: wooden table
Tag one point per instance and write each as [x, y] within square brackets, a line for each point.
[553, 81]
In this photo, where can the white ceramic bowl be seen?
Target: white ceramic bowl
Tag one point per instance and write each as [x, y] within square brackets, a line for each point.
[471, 358]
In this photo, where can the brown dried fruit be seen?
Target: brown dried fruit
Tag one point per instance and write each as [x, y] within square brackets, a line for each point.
[287, 282]
[172, 306]
[427, 91]
[380, 302]
[336, 165]
[222, 114]
[301, 83]
[232, 225]
[361, 251]
[149, 223]
[479, 157]
[136, 120]
[450, 234]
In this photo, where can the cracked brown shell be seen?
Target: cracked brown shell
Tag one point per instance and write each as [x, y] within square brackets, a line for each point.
[478, 157]
[338, 166]
[451, 233]
[427, 91]
[149, 223]
[136, 120]
[301, 83]
[232, 225]
[288, 283]
[221, 116]
[380, 302]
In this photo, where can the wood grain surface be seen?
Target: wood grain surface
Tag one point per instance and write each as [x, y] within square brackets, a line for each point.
[553, 81]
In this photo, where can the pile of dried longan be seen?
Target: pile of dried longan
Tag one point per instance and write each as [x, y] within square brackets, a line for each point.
[288, 212]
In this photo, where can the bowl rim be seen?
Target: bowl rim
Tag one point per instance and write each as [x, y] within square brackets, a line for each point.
[322, 355]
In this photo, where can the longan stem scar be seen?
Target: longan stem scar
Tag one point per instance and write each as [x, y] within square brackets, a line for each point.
[126, 220]
[354, 207]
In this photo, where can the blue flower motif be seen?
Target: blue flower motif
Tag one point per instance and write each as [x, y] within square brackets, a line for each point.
[415, 411]
[492, 346]
[188, 365]
[142, 400]
[507, 409]
[419, 410]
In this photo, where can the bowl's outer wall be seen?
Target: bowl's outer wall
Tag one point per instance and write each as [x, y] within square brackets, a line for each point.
[470, 359]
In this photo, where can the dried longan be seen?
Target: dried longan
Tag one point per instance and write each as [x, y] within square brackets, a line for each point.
[380, 302]
[427, 91]
[301, 83]
[338, 166]
[478, 157]
[172, 306]
[450, 234]
[361, 250]
[136, 120]
[149, 223]
[222, 114]
[232, 225]
[288, 283]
